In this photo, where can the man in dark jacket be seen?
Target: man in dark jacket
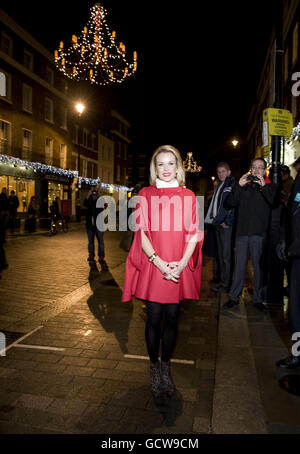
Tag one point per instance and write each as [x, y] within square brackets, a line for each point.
[293, 361]
[253, 195]
[92, 230]
[221, 218]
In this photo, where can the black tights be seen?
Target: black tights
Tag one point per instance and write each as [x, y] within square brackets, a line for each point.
[155, 312]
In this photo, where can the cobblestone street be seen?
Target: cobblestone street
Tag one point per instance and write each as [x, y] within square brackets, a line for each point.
[81, 369]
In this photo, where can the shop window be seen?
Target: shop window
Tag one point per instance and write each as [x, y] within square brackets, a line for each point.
[56, 190]
[6, 44]
[49, 109]
[28, 60]
[63, 156]
[6, 84]
[26, 144]
[27, 98]
[49, 151]
[5, 137]
[24, 189]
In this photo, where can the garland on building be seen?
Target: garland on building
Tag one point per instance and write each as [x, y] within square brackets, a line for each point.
[44, 168]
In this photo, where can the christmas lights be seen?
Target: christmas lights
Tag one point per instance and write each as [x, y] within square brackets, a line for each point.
[43, 168]
[94, 55]
[190, 165]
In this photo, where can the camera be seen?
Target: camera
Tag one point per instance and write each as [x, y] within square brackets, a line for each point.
[252, 178]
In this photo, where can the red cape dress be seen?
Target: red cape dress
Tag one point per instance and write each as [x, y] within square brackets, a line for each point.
[169, 238]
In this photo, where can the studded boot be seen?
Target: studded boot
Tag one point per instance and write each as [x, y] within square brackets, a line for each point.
[155, 379]
[167, 381]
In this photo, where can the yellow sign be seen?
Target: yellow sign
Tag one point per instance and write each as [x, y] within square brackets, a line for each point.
[277, 122]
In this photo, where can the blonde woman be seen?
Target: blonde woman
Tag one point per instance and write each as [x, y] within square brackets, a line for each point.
[163, 266]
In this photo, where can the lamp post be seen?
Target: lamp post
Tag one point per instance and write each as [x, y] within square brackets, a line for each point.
[80, 108]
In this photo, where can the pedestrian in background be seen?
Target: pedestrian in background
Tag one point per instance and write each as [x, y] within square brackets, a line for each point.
[163, 266]
[33, 212]
[13, 208]
[4, 209]
[254, 196]
[221, 217]
[92, 230]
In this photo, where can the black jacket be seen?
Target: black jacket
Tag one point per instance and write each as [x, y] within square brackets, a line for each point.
[294, 247]
[92, 212]
[254, 208]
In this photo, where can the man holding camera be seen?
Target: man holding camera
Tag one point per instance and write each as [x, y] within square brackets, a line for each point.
[92, 230]
[254, 195]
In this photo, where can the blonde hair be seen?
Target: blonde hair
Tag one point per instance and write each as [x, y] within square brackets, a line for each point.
[180, 174]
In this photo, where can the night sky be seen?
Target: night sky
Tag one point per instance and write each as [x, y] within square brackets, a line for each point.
[199, 64]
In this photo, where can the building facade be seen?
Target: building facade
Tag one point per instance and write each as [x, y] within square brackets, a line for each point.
[265, 96]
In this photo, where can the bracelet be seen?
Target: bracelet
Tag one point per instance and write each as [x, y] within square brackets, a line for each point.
[153, 256]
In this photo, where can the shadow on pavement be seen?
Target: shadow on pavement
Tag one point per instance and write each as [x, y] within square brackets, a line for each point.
[132, 412]
[106, 306]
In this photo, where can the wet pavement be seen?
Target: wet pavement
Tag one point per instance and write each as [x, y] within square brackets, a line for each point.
[80, 364]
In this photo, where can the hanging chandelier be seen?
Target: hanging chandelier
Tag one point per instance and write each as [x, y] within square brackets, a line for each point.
[190, 165]
[95, 55]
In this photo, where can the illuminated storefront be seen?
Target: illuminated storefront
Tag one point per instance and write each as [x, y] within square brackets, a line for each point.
[21, 180]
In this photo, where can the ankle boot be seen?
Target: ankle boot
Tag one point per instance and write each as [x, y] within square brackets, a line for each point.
[155, 379]
[167, 382]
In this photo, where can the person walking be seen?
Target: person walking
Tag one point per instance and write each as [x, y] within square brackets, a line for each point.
[222, 218]
[13, 208]
[164, 264]
[92, 230]
[253, 195]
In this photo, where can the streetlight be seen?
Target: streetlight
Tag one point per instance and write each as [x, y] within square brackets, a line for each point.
[235, 142]
[80, 108]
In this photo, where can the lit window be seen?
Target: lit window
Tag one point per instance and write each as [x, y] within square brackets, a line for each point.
[5, 85]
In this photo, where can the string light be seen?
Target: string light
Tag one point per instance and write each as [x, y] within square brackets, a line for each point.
[43, 168]
[190, 165]
[95, 55]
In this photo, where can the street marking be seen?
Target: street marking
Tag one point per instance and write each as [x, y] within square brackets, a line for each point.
[41, 347]
[179, 361]
[21, 338]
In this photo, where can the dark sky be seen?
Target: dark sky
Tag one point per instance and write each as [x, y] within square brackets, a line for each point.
[199, 64]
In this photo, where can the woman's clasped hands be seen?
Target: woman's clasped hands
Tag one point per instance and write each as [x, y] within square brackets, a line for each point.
[170, 270]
